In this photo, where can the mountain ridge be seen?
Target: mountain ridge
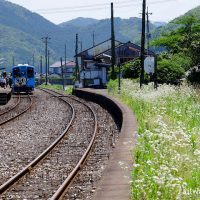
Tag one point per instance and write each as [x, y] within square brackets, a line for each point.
[21, 32]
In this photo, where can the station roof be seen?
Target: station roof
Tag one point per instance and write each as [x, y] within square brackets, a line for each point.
[57, 64]
[97, 49]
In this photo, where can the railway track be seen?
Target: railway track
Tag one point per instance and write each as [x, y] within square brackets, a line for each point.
[10, 107]
[26, 138]
[15, 111]
[31, 172]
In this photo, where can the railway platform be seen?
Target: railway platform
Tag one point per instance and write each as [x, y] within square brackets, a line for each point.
[116, 180]
[5, 95]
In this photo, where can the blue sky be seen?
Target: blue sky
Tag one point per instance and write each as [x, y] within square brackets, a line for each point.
[58, 11]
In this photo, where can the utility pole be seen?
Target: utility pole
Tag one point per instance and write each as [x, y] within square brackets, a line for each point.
[40, 69]
[112, 43]
[76, 52]
[155, 73]
[48, 56]
[143, 43]
[119, 77]
[65, 63]
[62, 72]
[45, 39]
[33, 59]
[13, 60]
[148, 30]
[93, 38]
[81, 42]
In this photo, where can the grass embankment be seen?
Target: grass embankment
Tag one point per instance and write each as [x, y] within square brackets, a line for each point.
[68, 89]
[167, 154]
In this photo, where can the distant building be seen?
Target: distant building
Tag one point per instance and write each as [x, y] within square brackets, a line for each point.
[55, 68]
[96, 61]
[68, 70]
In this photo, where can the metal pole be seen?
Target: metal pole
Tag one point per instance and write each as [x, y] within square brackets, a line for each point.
[143, 43]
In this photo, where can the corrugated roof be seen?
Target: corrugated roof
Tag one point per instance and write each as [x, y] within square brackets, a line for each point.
[57, 64]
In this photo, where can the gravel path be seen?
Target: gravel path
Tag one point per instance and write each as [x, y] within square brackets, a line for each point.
[24, 139]
[10, 104]
[85, 185]
[42, 182]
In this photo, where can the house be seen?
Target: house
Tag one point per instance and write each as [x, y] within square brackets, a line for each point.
[68, 70]
[96, 61]
[55, 68]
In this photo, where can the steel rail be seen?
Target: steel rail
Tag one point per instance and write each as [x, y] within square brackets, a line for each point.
[11, 107]
[14, 117]
[29, 167]
[65, 185]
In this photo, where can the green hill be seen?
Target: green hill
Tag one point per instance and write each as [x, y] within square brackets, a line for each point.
[172, 24]
[125, 29]
[79, 22]
[21, 31]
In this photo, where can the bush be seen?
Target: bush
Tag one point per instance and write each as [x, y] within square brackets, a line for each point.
[131, 69]
[194, 75]
[171, 70]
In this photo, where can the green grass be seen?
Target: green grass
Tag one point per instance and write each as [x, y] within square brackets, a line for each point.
[68, 89]
[167, 154]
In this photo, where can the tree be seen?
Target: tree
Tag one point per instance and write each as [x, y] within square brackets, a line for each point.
[185, 39]
[170, 70]
[183, 49]
[131, 69]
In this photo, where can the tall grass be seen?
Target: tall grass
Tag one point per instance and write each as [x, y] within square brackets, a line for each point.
[167, 154]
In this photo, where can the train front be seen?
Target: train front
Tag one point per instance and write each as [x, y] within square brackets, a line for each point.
[23, 78]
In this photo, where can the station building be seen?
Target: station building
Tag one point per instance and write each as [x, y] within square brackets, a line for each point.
[96, 61]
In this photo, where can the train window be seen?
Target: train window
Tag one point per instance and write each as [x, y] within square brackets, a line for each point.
[16, 72]
[30, 72]
[23, 73]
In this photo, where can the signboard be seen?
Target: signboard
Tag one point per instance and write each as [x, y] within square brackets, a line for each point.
[149, 64]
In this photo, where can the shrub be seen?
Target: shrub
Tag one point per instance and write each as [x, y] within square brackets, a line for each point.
[171, 70]
[194, 75]
[131, 69]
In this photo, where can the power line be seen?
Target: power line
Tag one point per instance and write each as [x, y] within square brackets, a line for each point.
[83, 6]
[95, 7]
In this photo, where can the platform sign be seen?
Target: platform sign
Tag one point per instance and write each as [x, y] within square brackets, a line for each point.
[149, 64]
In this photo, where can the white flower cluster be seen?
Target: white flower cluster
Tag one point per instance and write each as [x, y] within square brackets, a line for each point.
[167, 154]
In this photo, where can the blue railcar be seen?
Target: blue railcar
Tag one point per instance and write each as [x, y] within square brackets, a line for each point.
[23, 78]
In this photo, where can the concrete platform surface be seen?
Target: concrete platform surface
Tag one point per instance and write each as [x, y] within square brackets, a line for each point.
[6, 90]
